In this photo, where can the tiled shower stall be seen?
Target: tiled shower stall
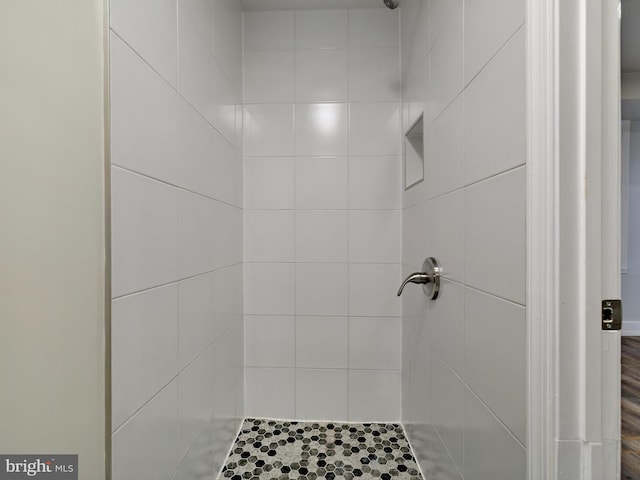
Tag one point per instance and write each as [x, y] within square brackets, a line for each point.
[177, 312]
[323, 218]
[261, 227]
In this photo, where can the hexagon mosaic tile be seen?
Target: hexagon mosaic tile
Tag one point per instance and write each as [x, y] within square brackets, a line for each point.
[281, 450]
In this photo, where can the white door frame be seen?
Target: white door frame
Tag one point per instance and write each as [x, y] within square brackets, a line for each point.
[573, 258]
[542, 234]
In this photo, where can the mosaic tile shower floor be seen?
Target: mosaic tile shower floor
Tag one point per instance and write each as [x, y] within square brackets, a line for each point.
[280, 450]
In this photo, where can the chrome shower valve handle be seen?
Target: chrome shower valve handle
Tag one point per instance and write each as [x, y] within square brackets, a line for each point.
[417, 277]
[429, 278]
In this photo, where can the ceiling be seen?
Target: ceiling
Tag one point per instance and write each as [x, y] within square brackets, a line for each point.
[630, 36]
[308, 4]
[630, 61]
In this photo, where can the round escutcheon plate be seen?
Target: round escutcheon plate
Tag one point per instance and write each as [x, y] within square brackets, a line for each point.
[432, 268]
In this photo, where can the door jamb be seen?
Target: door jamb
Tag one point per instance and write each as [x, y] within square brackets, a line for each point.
[573, 429]
[542, 235]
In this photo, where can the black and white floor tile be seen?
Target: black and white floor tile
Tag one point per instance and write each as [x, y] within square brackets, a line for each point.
[281, 450]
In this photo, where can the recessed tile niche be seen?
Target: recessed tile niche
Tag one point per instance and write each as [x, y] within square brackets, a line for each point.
[414, 154]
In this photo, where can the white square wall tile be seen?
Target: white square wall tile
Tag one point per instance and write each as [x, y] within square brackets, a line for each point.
[226, 97]
[414, 305]
[237, 141]
[270, 341]
[322, 75]
[447, 76]
[322, 236]
[268, 130]
[374, 74]
[270, 392]
[270, 288]
[443, 14]
[143, 116]
[501, 384]
[374, 27]
[268, 30]
[322, 342]
[197, 316]
[408, 415]
[446, 80]
[224, 430]
[196, 168]
[147, 445]
[419, 377]
[375, 183]
[443, 151]
[228, 367]
[200, 459]
[446, 324]
[195, 400]
[416, 194]
[143, 232]
[447, 407]
[227, 297]
[440, 459]
[375, 343]
[321, 129]
[416, 81]
[226, 181]
[269, 76]
[228, 246]
[207, 308]
[415, 238]
[227, 45]
[321, 289]
[495, 235]
[196, 70]
[322, 394]
[237, 334]
[269, 183]
[321, 29]
[374, 129]
[199, 13]
[199, 224]
[142, 363]
[372, 290]
[374, 395]
[239, 410]
[480, 42]
[269, 236]
[322, 183]
[414, 30]
[486, 438]
[149, 26]
[375, 236]
[443, 230]
[495, 114]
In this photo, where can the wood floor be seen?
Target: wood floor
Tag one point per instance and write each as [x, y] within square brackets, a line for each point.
[630, 408]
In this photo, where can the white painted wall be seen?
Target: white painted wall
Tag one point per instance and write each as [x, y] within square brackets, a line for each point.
[323, 214]
[176, 130]
[52, 246]
[464, 355]
[631, 279]
[630, 85]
